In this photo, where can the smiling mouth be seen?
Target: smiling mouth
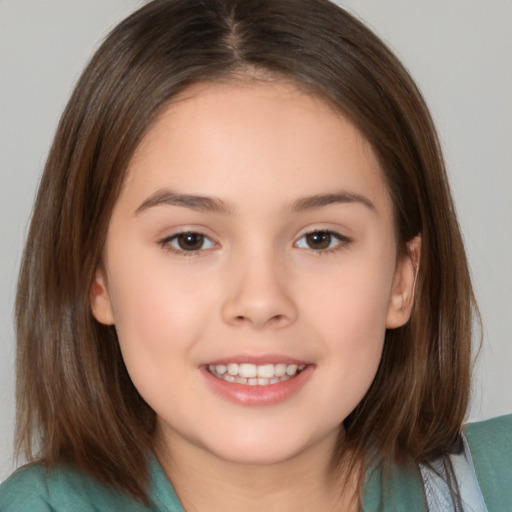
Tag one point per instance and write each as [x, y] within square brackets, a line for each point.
[255, 375]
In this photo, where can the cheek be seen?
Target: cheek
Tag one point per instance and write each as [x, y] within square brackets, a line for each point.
[351, 301]
[156, 319]
[349, 309]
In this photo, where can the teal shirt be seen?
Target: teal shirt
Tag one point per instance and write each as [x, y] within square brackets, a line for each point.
[32, 489]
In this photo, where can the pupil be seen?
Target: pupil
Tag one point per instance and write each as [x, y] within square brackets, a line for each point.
[319, 240]
[190, 241]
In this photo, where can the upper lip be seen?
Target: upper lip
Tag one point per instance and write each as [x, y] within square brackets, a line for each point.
[257, 360]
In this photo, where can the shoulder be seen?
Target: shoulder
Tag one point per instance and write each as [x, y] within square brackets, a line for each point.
[491, 440]
[25, 490]
[490, 444]
[36, 489]
[500, 427]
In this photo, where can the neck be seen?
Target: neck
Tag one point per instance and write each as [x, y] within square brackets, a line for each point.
[306, 481]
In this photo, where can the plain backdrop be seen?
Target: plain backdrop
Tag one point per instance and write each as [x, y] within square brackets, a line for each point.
[459, 52]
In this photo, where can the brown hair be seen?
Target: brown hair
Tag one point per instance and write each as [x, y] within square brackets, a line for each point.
[76, 403]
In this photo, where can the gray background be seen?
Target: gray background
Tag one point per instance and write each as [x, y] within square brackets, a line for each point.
[460, 53]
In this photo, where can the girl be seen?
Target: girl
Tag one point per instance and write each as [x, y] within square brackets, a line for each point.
[244, 284]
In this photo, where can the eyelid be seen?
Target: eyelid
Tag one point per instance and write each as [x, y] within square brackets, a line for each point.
[342, 240]
[166, 242]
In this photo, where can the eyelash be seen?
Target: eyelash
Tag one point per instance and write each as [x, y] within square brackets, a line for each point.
[167, 242]
[342, 241]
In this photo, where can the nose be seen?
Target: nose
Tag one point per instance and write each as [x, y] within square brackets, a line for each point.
[258, 295]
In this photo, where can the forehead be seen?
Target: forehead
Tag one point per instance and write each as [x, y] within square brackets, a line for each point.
[217, 138]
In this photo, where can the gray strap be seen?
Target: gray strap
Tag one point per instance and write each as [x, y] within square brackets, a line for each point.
[437, 490]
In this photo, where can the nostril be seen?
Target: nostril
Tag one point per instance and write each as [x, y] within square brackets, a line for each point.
[277, 319]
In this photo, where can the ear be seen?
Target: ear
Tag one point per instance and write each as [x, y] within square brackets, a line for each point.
[402, 293]
[101, 305]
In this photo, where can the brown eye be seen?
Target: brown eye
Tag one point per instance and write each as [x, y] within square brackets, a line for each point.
[188, 241]
[322, 241]
[319, 240]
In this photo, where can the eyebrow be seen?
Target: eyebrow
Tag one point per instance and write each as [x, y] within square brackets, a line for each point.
[211, 204]
[320, 200]
[194, 202]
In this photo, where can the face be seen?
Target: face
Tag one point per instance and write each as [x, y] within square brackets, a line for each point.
[251, 270]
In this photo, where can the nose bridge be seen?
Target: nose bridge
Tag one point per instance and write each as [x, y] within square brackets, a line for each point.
[257, 293]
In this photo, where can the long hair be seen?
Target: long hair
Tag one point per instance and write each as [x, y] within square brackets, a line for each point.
[76, 403]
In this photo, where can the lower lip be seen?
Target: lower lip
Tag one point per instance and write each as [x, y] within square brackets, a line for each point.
[271, 394]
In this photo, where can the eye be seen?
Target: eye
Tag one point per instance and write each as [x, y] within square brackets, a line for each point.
[189, 241]
[321, 240]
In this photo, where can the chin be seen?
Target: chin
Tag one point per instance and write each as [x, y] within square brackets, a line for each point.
[260, 449]
[259, 457]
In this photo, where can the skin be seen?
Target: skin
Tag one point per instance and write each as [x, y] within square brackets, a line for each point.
[255, 287]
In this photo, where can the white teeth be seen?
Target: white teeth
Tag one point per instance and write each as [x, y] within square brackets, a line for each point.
[280, 370]
[255, 375]
[220, 368]
[291, 369]
[233, 369]
[266, 371]
[247, 370]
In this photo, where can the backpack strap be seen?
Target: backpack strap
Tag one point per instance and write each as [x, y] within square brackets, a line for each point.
[436, 480]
